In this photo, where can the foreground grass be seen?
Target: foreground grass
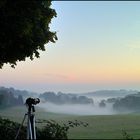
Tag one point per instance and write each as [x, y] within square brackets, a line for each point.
[107, 127]
[100, 127]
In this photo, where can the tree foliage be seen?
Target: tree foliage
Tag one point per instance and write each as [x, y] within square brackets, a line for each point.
[24, 29]
[130, 102]
[51, 130]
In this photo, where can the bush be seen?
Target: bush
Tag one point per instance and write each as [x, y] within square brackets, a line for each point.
[8, 130]
[51, 130]
[126, 135]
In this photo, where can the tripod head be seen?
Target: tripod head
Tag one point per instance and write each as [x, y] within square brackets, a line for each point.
[30, 102]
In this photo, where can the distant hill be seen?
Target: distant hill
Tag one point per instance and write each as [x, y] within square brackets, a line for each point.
[111, 93]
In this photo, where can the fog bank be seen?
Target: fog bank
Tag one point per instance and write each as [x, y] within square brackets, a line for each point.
[86, 109]
[78, 109]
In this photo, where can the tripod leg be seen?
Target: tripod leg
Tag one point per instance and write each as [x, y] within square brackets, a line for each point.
[32, 120]
[33, 127]
[20, 127]
[29, 129]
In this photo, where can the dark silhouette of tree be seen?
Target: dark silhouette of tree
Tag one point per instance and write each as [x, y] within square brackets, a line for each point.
[24, 29]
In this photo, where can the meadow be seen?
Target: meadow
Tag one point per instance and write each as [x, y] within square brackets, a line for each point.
[100, 126]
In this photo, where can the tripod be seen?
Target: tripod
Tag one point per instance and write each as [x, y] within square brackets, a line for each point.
[31, 131]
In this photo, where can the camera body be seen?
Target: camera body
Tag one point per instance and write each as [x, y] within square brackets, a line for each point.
[32, 101]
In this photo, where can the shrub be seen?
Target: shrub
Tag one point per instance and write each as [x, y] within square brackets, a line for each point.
[51, 130]
[126, 135]
[8, 130]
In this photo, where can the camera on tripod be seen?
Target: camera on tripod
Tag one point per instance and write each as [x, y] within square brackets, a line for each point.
[31, 131]
[32, 101]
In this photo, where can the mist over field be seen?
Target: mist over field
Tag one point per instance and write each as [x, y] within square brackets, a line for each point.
[80, 109]
[90, 109]
[77, 109]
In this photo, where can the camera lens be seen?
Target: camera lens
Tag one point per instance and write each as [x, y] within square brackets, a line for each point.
[36, 100]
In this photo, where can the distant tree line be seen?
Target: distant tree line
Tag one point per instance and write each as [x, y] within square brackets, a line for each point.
[7, 99]
[17, 92]
[128, 103]
[11, 96]
[62, 98]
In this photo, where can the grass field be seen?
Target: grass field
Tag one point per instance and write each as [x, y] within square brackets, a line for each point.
[100, 127]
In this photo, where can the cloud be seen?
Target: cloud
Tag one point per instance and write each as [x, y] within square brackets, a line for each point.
[58, 76]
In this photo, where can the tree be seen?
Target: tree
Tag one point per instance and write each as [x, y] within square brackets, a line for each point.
[102, 103]
[24, 29]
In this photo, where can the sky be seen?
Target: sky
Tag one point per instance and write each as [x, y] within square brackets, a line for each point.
[98, 48]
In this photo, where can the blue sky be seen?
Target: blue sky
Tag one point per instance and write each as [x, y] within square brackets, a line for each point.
[98, 47]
